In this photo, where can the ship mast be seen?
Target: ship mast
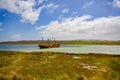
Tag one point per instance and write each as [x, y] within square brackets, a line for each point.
[42, 40]
[54, 40]
[48, 40]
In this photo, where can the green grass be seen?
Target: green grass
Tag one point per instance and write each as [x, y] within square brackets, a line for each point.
[76, 42]
[58, 66]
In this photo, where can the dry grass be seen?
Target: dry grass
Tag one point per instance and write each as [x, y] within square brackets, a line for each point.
[58, 66]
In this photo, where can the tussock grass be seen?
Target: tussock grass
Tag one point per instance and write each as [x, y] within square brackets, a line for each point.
[58, 66]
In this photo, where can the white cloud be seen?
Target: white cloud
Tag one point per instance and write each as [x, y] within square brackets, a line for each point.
[27, 9]
[116, 3]
[31, 15]
[51, 7]
[0, 26]
[65, 10]
[40, 1]
[9, 5]
[103, 28]
[22, 7]
[88, 4]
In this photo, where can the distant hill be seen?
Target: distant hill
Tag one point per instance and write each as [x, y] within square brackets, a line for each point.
[21, 42]
[83, 42]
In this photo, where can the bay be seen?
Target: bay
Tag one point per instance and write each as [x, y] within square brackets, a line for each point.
[107, 49]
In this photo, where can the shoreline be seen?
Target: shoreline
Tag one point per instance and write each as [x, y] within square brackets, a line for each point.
[67, 53]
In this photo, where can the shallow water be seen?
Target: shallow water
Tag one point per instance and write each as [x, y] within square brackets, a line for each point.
[109, 49]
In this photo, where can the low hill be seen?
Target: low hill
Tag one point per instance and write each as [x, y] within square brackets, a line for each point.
[82, 42]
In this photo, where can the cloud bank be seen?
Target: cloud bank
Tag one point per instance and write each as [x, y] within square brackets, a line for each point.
[84, 27]
[26, 8]
[116, 3]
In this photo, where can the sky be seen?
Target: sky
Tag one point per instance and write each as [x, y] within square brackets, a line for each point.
[60, 19]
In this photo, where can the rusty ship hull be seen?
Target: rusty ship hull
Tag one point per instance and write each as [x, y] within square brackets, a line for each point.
[41, 46]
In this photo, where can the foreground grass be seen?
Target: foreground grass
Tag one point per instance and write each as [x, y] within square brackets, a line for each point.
[58, 66]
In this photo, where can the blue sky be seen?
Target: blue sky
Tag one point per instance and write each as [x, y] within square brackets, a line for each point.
[62, 19]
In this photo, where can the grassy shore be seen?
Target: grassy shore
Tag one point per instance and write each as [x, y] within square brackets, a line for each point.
[76, 42]
[58, 66]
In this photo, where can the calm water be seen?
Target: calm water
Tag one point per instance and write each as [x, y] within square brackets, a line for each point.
[110, 49]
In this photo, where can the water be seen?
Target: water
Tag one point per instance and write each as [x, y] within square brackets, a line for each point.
[109, 49]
